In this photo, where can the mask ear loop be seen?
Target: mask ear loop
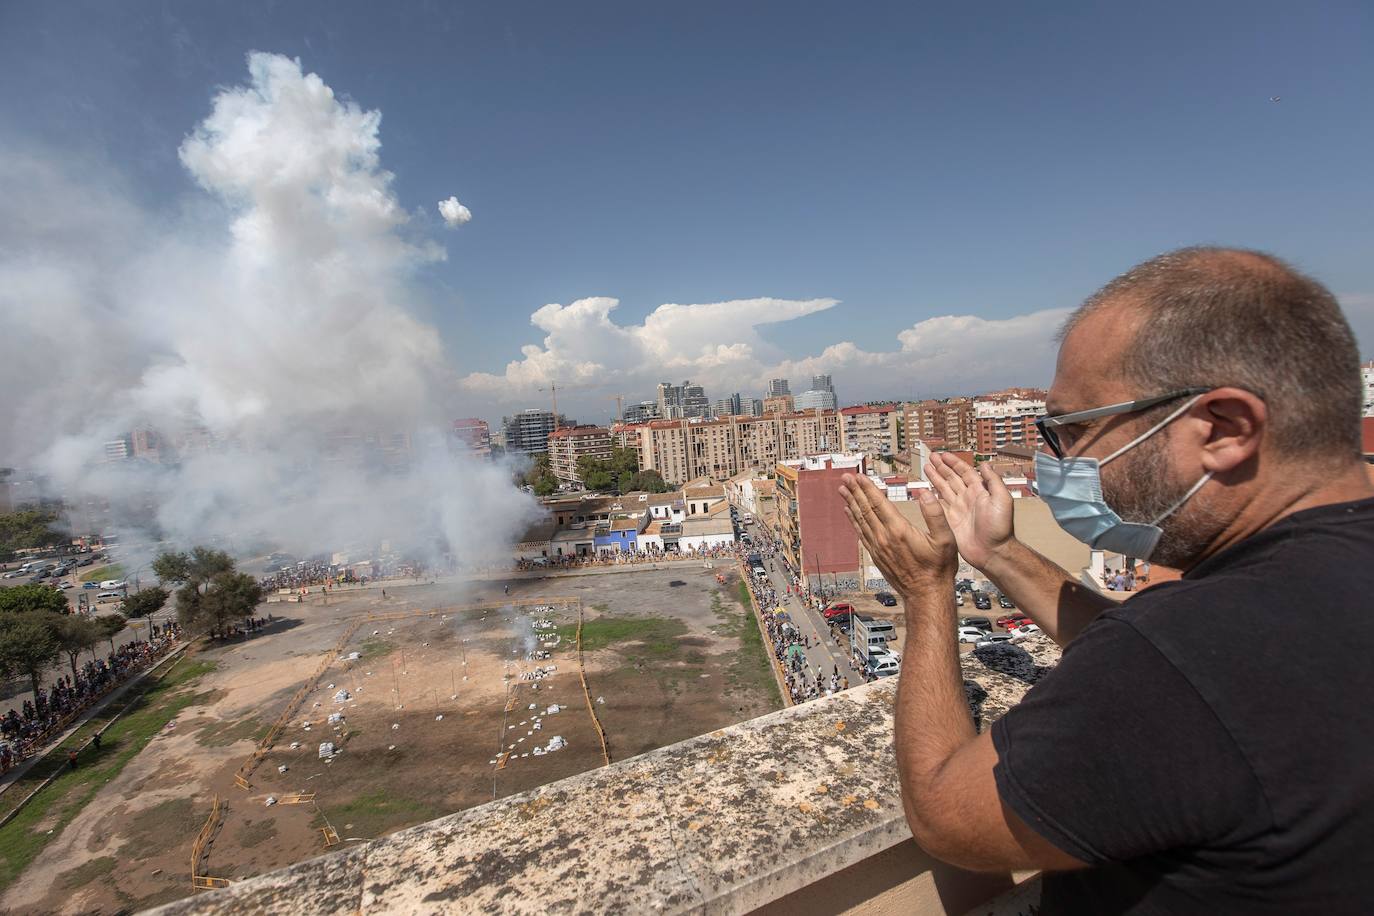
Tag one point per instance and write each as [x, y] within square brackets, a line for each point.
[1183, 499]
[1150, 432]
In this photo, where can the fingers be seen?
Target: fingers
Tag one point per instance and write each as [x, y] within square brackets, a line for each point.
[993, 481]
[936, 475]
[945, 472]
[857, 509]
[936, 523]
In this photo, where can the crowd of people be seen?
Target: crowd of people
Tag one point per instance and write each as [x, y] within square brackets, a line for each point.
[651, 554]
[25, 730]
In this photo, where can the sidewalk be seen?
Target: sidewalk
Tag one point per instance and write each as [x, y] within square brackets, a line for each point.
[19, 769]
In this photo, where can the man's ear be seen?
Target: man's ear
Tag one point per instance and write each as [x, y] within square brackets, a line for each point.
[1236, 421]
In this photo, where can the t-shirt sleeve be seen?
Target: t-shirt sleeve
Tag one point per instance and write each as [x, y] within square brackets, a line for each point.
[1114, 755]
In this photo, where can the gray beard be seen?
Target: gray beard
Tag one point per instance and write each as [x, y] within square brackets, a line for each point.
[1144, 487]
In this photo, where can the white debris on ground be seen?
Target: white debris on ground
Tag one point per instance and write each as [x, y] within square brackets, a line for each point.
[271, 800]
[601, 701]
[282, 768]
[555, 744]
[343, 696]
[439, 718]
[326, 750]
[395, 726]
[351, 657]
[553, 710]
[336, 718]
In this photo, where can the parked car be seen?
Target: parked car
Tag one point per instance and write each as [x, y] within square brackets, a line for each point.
[981, 623]
[963, 585]
[1011, 620]
[90, 585]
[1004, 601]
[981, 601]
[886, 599]
[14, 574]
[883, 667]
[971, 634]
[838, 610]
[992, 639]
[1027, 630]
[112, 583]
[64, 585]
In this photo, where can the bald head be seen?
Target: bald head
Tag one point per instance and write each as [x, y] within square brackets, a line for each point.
[1219, 317]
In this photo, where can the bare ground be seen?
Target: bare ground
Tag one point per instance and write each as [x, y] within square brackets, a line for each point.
[664, 658]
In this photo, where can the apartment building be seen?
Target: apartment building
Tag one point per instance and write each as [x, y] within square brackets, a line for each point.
[472, 436]
[816, 536]
[1008, 421]
[778, 403]
[528, 431]
[571, 443]
[949, 421]
[681, 450]
[872, 430]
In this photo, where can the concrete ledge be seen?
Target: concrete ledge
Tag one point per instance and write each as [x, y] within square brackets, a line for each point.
[723, 823]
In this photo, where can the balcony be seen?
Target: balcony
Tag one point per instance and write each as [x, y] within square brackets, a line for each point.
[792, 813]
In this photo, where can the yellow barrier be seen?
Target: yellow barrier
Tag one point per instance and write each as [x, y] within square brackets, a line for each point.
[582, 672]
[200, 848]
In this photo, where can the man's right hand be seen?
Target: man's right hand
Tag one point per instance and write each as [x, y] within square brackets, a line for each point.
[977, 505]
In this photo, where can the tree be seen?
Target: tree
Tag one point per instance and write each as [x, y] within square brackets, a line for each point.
[77, 634]
[28, 644]
[141, 604]
[29, 528]
[540, 476]
[211, 594]
[27, 598]
[108, 626]
[649, 481]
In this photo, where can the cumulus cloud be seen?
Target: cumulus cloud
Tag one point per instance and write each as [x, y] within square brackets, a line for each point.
[583, 345]
[454, 213]
[266, 327]
[718, 345]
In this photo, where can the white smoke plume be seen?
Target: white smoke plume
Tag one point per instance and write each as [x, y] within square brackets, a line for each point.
[265, 330]
[454, 213]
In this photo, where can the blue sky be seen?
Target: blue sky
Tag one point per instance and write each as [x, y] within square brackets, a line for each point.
[911, 161]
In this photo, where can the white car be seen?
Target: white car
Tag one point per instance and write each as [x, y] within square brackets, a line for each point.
[992, 639]
[971, 634]
[64, 585]
[112, 583]
[1027, 630]
[884, 667]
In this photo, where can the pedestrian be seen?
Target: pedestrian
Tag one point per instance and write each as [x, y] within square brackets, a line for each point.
[71, 759]
[95, 741]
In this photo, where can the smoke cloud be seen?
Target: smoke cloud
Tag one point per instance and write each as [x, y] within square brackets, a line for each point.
[454, 213]
[265, 331]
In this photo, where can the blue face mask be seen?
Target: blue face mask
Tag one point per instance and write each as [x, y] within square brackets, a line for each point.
[1072, 487]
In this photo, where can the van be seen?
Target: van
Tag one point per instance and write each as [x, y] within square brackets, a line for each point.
[112, 583]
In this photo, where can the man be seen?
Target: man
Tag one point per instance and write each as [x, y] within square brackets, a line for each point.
[1205, 746]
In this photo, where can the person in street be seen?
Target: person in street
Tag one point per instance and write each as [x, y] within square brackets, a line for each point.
[1204, 416]
[95, 741]
[71, 759]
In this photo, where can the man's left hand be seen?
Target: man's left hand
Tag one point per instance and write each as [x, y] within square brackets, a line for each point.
[907, 557]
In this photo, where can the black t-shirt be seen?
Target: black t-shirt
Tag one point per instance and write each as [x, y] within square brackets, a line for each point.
[1208, 746]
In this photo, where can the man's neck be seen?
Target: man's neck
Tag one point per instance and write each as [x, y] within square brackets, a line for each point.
[1274, 501]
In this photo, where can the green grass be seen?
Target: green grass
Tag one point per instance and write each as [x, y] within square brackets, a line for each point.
[657, 636]
[47, 815]
[374, 813]
[375, 648]
[100, 573]
[752, 667]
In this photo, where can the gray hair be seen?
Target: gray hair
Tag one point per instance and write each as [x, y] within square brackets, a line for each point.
[1230, 317]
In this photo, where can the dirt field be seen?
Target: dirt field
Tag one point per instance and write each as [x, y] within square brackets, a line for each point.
[669, 654]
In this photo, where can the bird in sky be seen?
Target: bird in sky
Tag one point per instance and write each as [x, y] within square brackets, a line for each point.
[1275, 98]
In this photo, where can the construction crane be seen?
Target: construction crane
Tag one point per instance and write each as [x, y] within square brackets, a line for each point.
[553, 389]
